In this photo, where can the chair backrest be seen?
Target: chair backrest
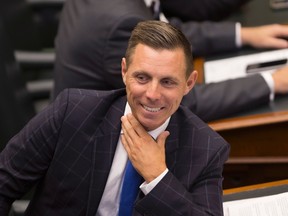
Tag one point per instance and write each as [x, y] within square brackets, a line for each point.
[30, 26]
[16, 106]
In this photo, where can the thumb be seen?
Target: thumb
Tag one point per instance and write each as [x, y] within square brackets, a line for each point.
[162, 137]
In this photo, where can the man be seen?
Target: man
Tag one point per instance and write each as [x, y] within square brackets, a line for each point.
[93, 35]
[74, 151]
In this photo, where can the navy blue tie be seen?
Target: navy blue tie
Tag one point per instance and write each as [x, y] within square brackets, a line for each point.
[130, 188]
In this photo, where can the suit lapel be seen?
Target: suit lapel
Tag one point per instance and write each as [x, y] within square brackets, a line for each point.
[106, 139]
[172, 142]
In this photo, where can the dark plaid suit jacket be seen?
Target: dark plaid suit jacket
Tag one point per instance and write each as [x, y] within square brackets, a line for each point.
[69, 147]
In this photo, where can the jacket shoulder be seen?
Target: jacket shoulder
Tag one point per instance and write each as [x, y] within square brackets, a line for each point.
[190, 121]
[88, 99]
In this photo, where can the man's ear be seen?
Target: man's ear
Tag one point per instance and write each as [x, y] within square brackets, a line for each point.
[123, 70]
[191, 81]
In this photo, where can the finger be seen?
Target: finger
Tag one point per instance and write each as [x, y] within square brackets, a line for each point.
[161, 139]
[280, 30]
[125, 134]
[131, 142]
[125, 144]
[278, 43]
[128, 128]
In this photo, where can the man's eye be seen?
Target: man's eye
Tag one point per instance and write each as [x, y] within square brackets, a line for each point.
[168, 83]
[142, 78]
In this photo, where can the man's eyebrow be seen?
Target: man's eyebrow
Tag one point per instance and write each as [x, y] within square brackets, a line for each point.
[175, 79]
[141, 72]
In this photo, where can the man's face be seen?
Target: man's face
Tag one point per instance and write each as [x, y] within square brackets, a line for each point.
[155, 84]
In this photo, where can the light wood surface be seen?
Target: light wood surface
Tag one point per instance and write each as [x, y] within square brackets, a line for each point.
[255, 187]
[249, 121]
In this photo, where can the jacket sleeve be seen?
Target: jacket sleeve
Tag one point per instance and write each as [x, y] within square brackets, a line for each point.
[208, 38]
[201, 10]
[201, 197]
[222, 99]
[27, 156]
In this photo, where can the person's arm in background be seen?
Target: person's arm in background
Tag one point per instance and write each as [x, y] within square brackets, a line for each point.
[218, 100]
[196, 10]
[280, 78]
[208, 38]
[268, 36]
[206, 35]
[222, 99]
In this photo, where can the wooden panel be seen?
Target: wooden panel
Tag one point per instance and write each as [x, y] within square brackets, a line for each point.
[238, 175]
[258, 154]
[264, 140]
[259, 144]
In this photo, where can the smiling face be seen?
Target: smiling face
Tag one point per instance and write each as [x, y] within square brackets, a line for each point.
[155, 83]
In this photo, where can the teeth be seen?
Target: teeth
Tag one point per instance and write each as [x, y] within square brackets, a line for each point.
[151, 109]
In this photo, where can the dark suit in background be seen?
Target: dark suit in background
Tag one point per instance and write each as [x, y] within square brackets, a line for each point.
[195, 10]
[93, 37]
[71, 161]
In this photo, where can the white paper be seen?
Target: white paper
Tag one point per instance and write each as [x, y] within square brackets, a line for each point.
[234, 67]
[274, 205]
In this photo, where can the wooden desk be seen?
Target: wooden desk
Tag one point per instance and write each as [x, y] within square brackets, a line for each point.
[259, 148]
[255, 187]
[259, 143]
[261, 135]
[257, 190]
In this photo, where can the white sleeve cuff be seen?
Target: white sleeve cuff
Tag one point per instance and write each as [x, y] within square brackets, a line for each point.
[270, 82]
[238, 34]
[146, 188]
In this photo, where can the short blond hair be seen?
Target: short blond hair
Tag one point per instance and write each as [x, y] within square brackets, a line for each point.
[159, 35]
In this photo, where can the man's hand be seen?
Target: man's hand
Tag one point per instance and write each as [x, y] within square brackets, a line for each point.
[268, 36]
[280, 78]
[146, 154]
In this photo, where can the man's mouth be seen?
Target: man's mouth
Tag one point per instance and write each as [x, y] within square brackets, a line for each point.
[150, 109]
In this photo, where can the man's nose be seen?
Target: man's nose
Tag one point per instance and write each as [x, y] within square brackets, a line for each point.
[153, 91]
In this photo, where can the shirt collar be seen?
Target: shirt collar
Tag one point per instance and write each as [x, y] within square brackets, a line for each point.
[154, 133]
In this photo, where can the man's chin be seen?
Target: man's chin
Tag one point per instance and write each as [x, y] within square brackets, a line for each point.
[149, 125]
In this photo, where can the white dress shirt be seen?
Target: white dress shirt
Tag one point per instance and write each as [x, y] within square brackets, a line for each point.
[109, 204]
